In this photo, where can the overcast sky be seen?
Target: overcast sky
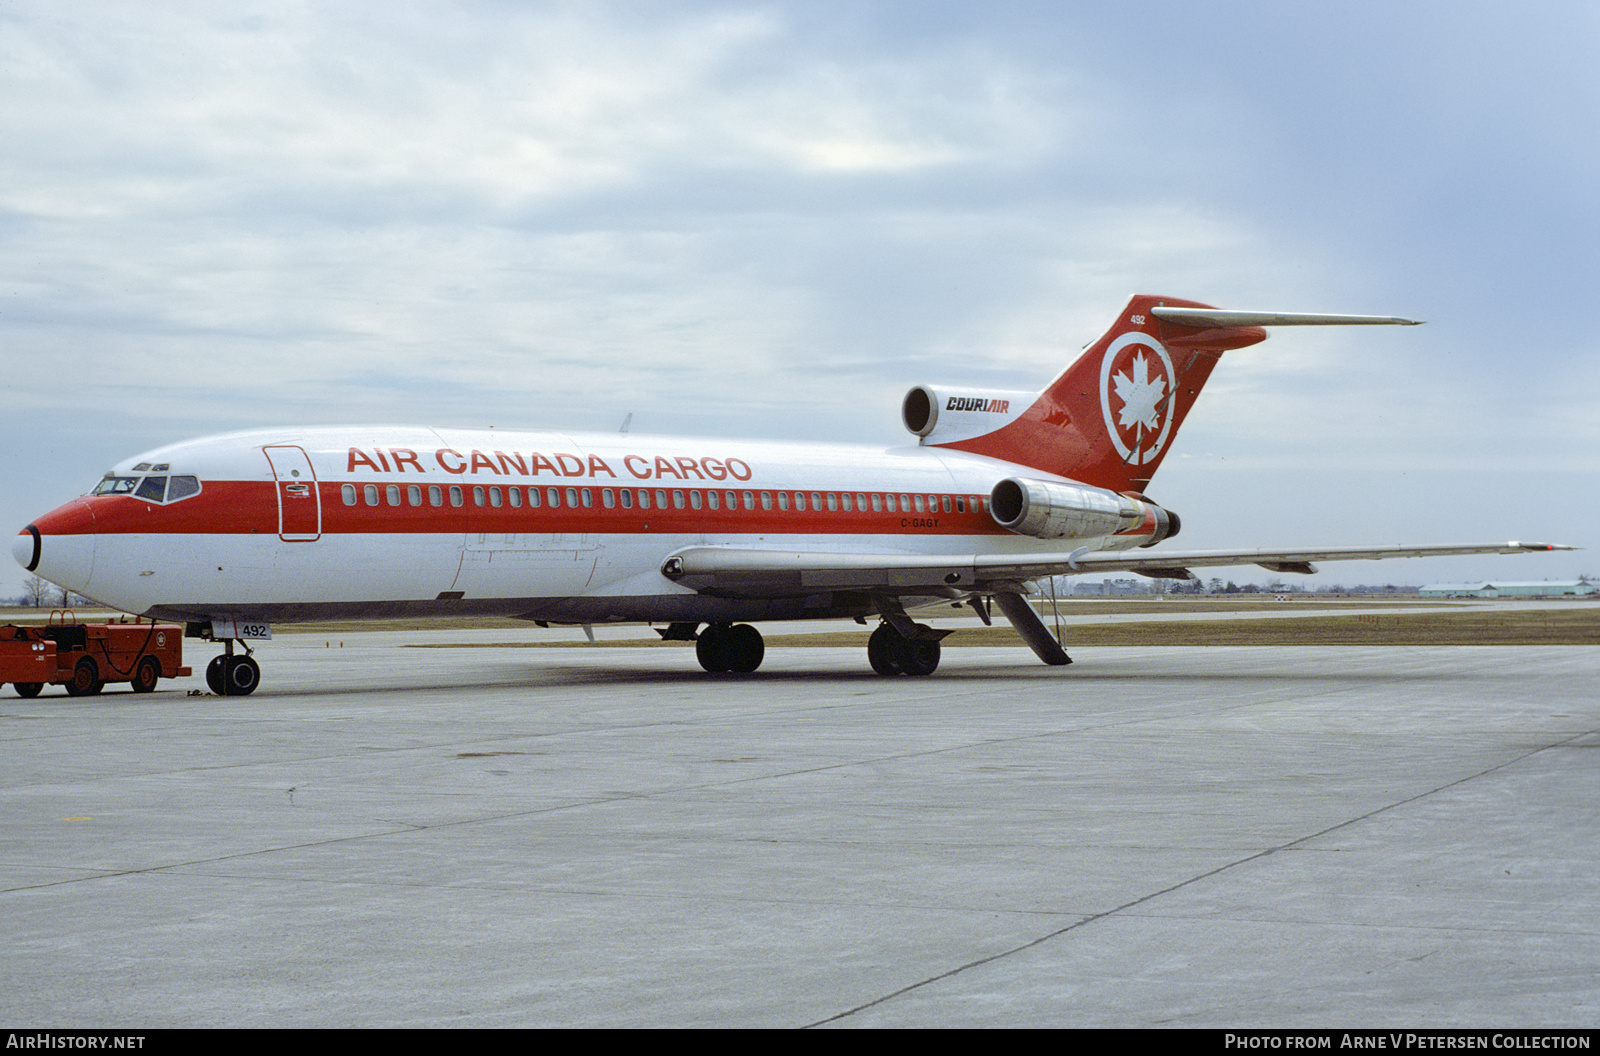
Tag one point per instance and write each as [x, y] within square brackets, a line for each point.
[773, 219]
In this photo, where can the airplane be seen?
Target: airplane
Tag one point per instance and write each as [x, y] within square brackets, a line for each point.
[232, 533]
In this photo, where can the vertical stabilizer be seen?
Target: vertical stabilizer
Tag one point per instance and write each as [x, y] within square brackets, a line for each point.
[1109, 419]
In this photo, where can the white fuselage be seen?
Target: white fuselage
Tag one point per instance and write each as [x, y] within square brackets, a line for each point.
[406, 521]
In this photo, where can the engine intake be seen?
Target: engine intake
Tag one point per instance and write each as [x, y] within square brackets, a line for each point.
[1048, 509]
[939, 415]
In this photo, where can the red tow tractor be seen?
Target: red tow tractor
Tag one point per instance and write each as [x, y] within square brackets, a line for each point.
[83, 657]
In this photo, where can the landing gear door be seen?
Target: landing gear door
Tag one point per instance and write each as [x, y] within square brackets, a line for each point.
[299, 502]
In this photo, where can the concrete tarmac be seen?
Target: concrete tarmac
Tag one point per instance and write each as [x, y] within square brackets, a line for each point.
[1210, 837]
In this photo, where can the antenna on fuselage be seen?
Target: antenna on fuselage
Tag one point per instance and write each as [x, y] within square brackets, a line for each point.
[626, 422]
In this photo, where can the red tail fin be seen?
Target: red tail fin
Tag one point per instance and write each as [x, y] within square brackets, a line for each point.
[1109, 419]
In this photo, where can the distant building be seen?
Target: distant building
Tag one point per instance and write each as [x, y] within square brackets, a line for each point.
[1484, 589]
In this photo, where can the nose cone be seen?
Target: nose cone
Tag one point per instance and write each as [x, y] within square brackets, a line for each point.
[25, 548]
[59, 546]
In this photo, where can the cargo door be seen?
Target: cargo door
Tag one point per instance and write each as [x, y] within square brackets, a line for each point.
[299, 502]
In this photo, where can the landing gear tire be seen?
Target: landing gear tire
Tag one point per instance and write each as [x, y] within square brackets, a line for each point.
[883, 650]
[921, 655]
[712, 650]
[746, 649]
[28, 689]
[890, 654]
[85, 679]
[721, 648]
[240, 676]
[146, 675]
[214, 676]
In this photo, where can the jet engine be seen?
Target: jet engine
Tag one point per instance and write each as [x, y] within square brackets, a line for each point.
[1048, 509]
[940, 415]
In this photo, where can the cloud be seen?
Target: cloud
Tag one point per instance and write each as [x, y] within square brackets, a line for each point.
[776, 218]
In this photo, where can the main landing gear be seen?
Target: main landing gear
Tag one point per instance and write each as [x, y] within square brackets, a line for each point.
[233, 676]
[891, 653]
[721, 648]
[739, 648]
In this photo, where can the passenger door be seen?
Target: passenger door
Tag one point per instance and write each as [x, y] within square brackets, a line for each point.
[299, 501]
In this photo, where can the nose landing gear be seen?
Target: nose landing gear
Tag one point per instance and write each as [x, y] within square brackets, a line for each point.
[233, 676]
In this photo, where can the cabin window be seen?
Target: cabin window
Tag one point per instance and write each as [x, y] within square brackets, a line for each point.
[572, 498]
[348, 492]
[694, 499]
[588, 498]
[514, 495]
[799, 500]
[877, 503]
[627, 498]
[732, 499]
[749, 500]
[608, 498]
[783, 500]
[392, 493]
[644, 498]
[961, 504]
[861, 502]
[435, 495]
[766, 500]
[833, 501]
[370, 491]
[917, 503]
[478, 497]
[713, 500]
[414, 494]
[677, 500]
[816, 500]
[533, 498]
[661, 499]
[457, 497]
[946, 501]
[552, 498]
[494, 497]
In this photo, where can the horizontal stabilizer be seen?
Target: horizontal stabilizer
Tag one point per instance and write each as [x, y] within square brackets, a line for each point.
[1215, 317]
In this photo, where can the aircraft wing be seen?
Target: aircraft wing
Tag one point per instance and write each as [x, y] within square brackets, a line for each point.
[752, 573]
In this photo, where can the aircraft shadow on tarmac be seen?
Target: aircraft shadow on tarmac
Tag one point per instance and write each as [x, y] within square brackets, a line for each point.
[650, 672]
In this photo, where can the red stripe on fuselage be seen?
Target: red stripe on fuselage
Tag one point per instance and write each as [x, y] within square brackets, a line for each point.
[251, 508]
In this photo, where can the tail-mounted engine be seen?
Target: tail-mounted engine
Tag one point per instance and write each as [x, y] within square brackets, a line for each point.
[940, 415]
[1048, 509]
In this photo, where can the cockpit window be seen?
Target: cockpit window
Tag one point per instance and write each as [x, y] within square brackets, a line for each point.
[151, 489]
[182, 488]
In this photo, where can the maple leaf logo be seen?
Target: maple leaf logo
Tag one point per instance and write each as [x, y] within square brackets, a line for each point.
[1138, 428]
[1141, 397]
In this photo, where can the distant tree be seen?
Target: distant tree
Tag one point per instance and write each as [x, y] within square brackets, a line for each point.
[37, 590]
